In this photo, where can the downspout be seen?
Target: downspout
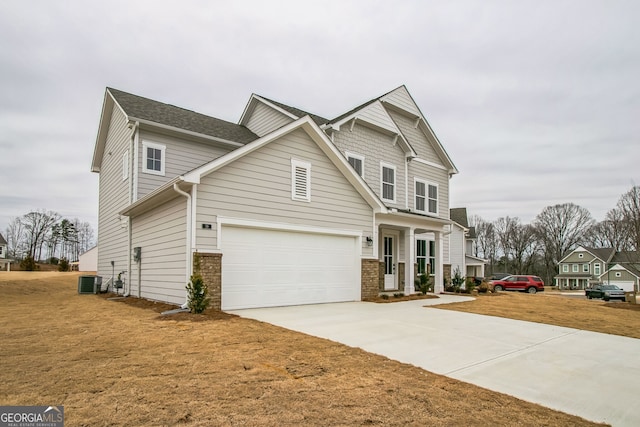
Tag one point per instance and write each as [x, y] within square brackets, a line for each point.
[132, 138]
[189, 254]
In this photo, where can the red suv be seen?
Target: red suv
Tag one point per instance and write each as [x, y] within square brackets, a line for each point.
[531, 284]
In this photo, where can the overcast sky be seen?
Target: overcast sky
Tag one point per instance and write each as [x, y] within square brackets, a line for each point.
[536, 102]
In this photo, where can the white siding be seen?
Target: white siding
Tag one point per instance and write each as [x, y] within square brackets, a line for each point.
[161, 233]
[181, 156]
[416, 138]
[113, 196]
[264, 120]
[431, 175]
[400, 98]
[377, 115]
[258, 186]
[375, 147]
[456, 250]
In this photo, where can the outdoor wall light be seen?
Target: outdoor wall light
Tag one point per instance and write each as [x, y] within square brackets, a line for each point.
[369, 241]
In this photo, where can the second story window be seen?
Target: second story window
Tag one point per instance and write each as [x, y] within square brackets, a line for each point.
[565, 268]
[585, 268]
[357, 162]
[596, 269]
[154, 158]
[388, 182]
[575, 268]
[433, 199]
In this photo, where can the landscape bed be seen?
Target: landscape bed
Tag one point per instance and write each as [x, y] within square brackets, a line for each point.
[120, 363]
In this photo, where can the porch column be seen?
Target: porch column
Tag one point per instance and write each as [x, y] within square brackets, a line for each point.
[438, 285]
[409, 260]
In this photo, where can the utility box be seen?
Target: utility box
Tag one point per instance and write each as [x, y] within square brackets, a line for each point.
[88, 284]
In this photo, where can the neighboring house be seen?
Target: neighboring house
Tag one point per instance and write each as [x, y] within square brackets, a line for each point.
[89, 260]
[5, 263]
[586, 266]
[461, 243]
[284, 208]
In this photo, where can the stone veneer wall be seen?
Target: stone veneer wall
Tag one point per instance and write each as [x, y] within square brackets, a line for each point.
[446, 273]
[211, 272]
[370, 279]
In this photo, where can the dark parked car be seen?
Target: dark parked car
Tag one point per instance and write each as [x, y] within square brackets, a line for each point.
[531, 284]
[606, 292]
[499, 276]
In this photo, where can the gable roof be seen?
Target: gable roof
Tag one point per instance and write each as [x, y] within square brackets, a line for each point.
[140, 108]
[2, 241]
[187, 180]
[155, 113]
[603, 254]
[459, 215]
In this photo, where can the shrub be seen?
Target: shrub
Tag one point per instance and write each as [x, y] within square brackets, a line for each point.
[384, 296]
[398, 295]
[483, 287]
[63, 265]
[423, 284]
[28, 264]
[198, 292]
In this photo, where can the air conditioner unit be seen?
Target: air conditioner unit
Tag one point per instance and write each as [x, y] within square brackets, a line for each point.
[89, 284]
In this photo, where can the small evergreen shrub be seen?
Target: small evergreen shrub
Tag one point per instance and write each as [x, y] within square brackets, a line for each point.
[63, 265]
[198, 292]
[28, 264]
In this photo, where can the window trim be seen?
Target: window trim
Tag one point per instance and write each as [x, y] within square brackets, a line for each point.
[565, 268]
[417, 181]
[596, 268]
[424, 257]
[437, 199]
[163, 157]
[357, 157]
[575, 268]
[297, 195]
[585, 268]
[384, 165]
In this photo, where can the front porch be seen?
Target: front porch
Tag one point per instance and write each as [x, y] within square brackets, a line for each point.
[573, 282]
[406, 246]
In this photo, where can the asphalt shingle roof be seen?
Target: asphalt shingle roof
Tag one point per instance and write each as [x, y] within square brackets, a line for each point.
[297, 112]
[167, 114]
[2, 241]
[459, 215]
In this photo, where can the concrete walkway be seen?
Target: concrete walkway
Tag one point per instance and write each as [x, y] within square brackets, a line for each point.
[592, 375]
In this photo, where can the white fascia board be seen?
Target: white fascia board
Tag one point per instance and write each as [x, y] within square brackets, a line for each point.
[428, 163]
[186, 132]
[157, 196]
[256, 98]
[103, 126]
[424, 126]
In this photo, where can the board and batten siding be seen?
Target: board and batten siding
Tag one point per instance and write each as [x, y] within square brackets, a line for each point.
[264, 120]
[181, 156]
[375, 147]
[257, 186]
[161, 235]
[113, 196]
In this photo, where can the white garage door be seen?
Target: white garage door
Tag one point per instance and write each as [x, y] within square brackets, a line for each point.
[626, 286]
[270, 268]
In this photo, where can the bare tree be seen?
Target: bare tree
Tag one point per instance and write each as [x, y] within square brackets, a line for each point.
[37, 225]
[629, 207]
[611, 233]
[560, 228]
[15, 239]
[486, 242]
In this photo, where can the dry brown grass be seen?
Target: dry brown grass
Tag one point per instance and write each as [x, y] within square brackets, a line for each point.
[618, 318]
[118, 364]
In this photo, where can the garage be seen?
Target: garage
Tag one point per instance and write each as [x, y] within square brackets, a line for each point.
[270, 267]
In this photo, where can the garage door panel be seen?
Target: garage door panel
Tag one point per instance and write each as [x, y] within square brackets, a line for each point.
[263, 268]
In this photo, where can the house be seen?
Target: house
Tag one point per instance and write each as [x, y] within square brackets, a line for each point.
[586, 266]
[286, 207]
[89, 260]
[5, 263]
[461, 241]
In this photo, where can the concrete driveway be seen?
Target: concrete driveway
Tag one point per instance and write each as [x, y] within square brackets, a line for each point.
[592, 375]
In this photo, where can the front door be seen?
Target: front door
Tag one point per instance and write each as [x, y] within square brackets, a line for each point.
[389, 258]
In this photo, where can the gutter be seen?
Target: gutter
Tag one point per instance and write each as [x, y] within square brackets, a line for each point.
[189, 254]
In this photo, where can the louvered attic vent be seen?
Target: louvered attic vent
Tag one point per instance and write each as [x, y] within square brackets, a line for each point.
[300, 180]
